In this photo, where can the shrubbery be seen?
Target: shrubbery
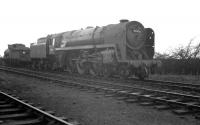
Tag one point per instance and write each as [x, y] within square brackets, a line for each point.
[182, 60]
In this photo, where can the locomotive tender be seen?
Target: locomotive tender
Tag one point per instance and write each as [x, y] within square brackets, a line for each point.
[17, 55]
[121, 49]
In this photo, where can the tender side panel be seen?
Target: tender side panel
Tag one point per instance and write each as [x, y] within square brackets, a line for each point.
[38, 51]
[14, 54]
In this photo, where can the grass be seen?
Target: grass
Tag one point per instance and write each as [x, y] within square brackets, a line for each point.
[177, 78]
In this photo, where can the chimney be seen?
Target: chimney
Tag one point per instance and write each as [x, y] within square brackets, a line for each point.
[123, 21]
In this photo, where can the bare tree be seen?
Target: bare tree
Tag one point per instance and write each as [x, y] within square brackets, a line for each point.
[181, 60]
[196, 51]
[161, 55]
[183, 52]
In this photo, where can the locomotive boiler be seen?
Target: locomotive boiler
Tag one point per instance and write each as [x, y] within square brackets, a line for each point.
[122, 49]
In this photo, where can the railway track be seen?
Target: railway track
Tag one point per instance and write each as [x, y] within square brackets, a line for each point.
[184, 88]
[179, 103]
[16, 112]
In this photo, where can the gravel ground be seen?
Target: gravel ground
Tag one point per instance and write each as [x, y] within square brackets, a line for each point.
[85, 107]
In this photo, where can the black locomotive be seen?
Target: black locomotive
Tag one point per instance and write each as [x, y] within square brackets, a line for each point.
[122, 49]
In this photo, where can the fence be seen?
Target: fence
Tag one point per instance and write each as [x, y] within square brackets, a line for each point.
[179, 66]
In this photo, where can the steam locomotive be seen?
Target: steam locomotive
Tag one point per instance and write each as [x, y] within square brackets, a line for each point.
[122, 49]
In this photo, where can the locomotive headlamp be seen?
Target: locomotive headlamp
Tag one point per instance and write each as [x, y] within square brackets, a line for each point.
[23, 52]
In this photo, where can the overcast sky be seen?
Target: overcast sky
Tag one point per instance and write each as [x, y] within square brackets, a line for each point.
[175, 22]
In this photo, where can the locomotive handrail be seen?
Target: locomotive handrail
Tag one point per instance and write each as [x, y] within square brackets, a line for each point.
[93, 36]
